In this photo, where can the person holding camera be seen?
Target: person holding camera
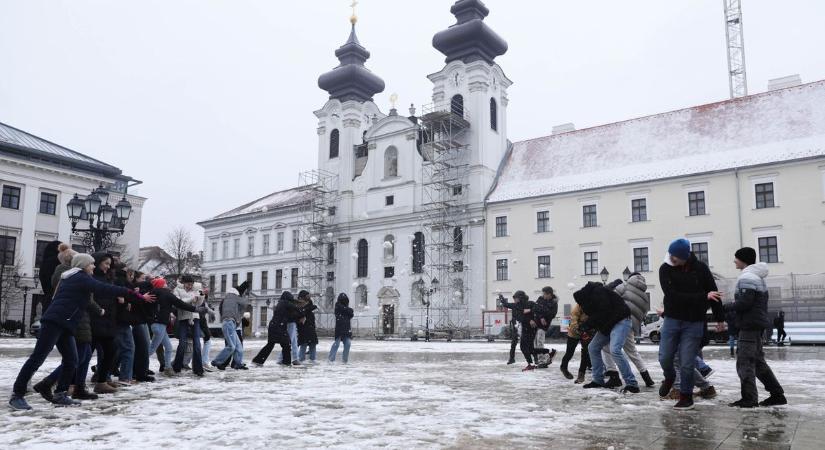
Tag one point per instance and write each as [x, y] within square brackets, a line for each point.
[523, 308]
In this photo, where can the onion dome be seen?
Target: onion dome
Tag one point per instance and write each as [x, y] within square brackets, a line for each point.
[470, 39]
[351, 80]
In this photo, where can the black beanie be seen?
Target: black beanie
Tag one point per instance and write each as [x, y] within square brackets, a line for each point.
[747, 255]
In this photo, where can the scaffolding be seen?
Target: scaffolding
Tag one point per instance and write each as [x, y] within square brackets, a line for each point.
[443, 136]
[316, 233]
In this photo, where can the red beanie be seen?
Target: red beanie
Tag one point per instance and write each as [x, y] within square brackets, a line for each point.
[158, 283]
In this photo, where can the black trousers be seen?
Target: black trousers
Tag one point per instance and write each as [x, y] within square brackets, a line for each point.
[572, 343]
[528, 338]
[273, 337]
[751, 366]
[513, 340]
[105, 348]
[781, 334]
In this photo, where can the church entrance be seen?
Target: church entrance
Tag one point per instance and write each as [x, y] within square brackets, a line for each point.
[388, 319]
[388, 299]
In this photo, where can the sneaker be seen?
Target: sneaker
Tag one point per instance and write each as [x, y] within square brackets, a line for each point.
[707, 372]
[296, 363]
[630, 389]
[44, 388]
[512, 361]
[774, 400]
[665, 388]
[146, 379]
[257, 364]
[685, 402]
[593, 385]
[61, 399]
[208, 369]
[647, 379]
[741, 403]
[18, 403]
[241, 367]
[528, 368]
[707, 393]
[80, 393]
[219, 366]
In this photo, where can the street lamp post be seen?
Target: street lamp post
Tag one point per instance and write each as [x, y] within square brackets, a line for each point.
[626, 273]
[19, 282]
[604, 274]
[429, 292]
[105, 221]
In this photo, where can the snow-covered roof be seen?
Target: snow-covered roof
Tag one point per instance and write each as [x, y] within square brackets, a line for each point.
[280, 199]
[771, 127]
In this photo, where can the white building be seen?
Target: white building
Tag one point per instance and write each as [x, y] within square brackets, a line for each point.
[38, 179]
[743, 172]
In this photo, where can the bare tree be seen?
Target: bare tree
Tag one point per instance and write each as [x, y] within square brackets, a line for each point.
[9, 292]
[180, 246]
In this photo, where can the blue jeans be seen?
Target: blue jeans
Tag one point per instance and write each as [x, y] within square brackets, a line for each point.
[185, 332]
[292, 329]
[334, 349]
[50, 335]
[84, 356]
[732, 341]
[233, 347]
[683, 337]
[302, 352]
[159, 337]
[126, 351]
[616, 340]
[140, 334]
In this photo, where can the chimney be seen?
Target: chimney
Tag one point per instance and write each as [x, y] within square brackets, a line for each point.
[784, 82]
[564, 128]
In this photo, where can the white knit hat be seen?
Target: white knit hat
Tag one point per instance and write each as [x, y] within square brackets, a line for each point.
[81, 260]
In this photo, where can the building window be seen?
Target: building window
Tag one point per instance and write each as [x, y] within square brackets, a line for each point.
[265, 244]
[641, 260]
[591, 263]
[38, 252]
[223, 283]
[264, 280]
[542, 221]
[48, 203]
[234, 280]
[501, 270]
[589, 216]
[638, 208]
[700, 249]
[293, 279]
[389, 272]
[418, 252]
[279, 241]
[211, 284]
[294, 240]
[330, 253]
[214, 252]
[279, 279]
[361, 295]
[225, 249]
[11, 197]
[544, 266]
[458, 240]
[333, 143]
[363, 259]
[768, 249]
[458, 189]
[457, 105]
[389, 246]
[330, 276]
[331, 211]
[236, 248]
[696, 203]
[389, 200]
[390, 162]
[501, 226]
[250, 246]
[764, 195]
[458, 266]
[493, 114]
[263, 319]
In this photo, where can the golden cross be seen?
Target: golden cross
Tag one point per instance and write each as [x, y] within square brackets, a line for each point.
[353, 5]
[393, 99]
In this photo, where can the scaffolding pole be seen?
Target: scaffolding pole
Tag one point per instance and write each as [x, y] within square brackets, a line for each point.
[316, 233]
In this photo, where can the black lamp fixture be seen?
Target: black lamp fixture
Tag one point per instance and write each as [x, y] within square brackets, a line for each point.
[626, 273]
[105, 222]
[604, 274]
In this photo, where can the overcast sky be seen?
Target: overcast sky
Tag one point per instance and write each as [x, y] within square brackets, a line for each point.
[210, 102]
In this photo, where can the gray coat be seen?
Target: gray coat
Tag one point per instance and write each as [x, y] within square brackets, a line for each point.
[634, 294]
[233, 306]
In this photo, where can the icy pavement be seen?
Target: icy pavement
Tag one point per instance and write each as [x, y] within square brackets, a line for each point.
[416, 395]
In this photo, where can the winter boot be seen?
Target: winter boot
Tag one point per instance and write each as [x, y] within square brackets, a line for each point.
[774, 400]
[672, 395]
[647, 379]
[80, 393]
[707, 393]
[741, 403]
[528, 368]
[593, 385]
[614, 380]
[664, 389]
[104, 388]
[44, 388]
[732, 353]
[580, 378]
[566, 373]
[18, 403]
[114, 384]
[685, 402]
[630, 389]
[511, 361]
[62, 399]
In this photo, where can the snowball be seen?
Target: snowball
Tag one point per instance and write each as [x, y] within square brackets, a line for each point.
[329, 235]
[247, 315]
[387, 245]
[571, 286]
[355, 256]
[355, 285]
[515, 260]
[313, 239]
[257, 334]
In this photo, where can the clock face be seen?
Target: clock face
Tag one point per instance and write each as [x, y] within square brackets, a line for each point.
[458, 79]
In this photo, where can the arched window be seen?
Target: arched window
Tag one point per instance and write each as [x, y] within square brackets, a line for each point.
[361, 295]
[391, 162]
[493, 114]
[458, 239]
[457, 105]
[363, 267]
[417, 293]
[389, 246]
[418, 252]
[333, 143]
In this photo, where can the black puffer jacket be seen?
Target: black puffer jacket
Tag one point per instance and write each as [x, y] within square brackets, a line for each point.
[604, 307]
[306, 331]
[547, 310]
[104, 326]
[165, 304]
[343, 317]
[686, 290]
[751, 299]
[286, 311]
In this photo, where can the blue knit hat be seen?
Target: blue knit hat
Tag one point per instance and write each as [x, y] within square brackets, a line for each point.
[680, 248]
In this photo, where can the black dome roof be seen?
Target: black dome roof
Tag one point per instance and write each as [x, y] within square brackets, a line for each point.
[470, 39]
[351, 80]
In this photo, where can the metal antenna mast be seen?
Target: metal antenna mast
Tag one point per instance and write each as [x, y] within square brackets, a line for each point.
[736, 48]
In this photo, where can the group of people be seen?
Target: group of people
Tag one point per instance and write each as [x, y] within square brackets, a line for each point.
[606, 318]
[96, 305]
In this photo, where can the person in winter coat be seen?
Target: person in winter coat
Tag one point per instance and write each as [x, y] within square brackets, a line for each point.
[127, 317]
[608, 314]
[48, 263]
[58, 326]
[307, 336]
[343, 328]
[634, 293]
[751, 307]
[515, 316]
[779, 324]
[164, 306]
[140, 330]
[231, 313]
[574, 337]
[523, 307]
[205, 312]
[689, 290]
[188, 326]
[286, 311]
[547, 306]
[104, 328]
